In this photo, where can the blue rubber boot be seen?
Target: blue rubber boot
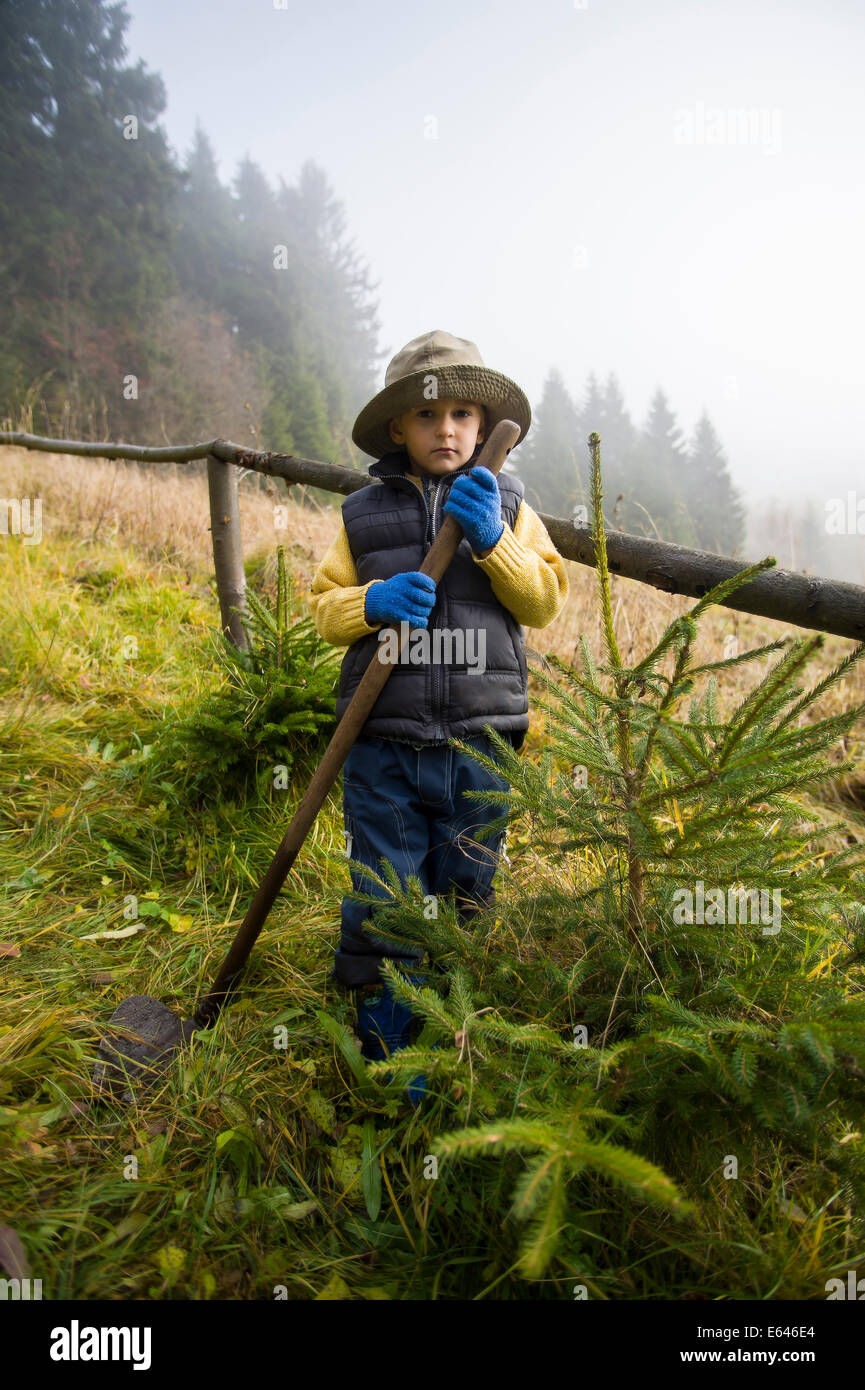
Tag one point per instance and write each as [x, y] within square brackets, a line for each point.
[385, 1025]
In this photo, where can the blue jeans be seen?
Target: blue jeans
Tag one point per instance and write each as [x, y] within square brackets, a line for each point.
[405, 804]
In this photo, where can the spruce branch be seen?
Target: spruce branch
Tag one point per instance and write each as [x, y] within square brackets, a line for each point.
[752, 707]
[755, 654]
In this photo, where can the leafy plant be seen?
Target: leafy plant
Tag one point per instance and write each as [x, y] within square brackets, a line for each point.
[275, 707]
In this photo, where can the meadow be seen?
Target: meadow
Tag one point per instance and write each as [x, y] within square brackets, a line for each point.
[269, 1161]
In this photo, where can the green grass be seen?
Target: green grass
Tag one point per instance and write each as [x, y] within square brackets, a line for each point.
[267, 1158]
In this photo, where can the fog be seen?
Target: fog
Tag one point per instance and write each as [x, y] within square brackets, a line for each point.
[671, 192]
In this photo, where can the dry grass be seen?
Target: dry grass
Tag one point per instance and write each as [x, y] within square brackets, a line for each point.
[162, 512]
[251, 1158]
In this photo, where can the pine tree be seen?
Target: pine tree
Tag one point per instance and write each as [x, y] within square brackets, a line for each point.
[591, 415]
[592, 403]
[660, 482]
[547, 462]
[259, 307]
[816, 550]
[205, 252]
[342, 333]
[103, 232]
[84, 211]
[310, 428]
[711, 498]
[619, 437]
[274, 707]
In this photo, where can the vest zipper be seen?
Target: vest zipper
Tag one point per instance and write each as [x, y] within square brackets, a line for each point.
[431, 491]
[437, 673]
[437, 491]
[431, 512]
[431, 506]
[430, 533]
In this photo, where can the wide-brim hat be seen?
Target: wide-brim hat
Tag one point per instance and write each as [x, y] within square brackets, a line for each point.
[438, 366]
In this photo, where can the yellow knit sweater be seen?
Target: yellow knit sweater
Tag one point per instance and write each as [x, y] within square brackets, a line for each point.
[526, 572]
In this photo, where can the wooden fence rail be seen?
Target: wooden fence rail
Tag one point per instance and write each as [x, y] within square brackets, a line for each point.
[825, 605]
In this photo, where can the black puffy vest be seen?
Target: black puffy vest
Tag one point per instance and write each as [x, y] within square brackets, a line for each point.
[390, 528]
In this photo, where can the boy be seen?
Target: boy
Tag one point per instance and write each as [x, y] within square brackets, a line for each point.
[403, 783]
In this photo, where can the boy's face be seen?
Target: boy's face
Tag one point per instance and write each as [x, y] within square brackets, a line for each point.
[440, 435]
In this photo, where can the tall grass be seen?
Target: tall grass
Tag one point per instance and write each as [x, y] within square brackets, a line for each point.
[268, 1157]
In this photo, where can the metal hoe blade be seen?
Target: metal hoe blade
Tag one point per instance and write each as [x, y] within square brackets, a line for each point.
[148, 1034]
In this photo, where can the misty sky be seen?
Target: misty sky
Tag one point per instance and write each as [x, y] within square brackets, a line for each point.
[590, 199]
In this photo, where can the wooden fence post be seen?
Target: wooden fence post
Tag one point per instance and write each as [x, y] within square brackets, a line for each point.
[227, 548]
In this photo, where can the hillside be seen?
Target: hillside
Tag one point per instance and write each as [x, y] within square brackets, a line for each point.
[265, 1160]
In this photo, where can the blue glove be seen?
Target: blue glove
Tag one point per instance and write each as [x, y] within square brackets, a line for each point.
[407, 598]
[475, 502]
